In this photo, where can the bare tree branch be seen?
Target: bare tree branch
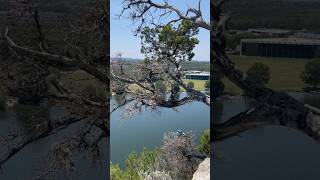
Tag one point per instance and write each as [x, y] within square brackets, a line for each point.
[139, 9]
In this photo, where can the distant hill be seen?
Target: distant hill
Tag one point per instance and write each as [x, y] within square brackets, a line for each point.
[126, 59]
[137, 59]
[286, 14]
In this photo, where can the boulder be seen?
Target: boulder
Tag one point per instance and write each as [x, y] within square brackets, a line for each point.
[203, 171]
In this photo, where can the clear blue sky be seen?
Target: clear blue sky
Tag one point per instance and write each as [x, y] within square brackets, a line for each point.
[122, 38]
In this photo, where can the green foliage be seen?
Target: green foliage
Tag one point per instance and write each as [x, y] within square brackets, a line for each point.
[196, 65]
[146, 61]
[311, 73]
[204, 145]
[207, 84]
[259, 73]
[95, 92]
[160, 86]
[144, 161]
[273, 14]
[136, 163]
[175, 87]
[115, 172]
[169, 43]
[191, 84]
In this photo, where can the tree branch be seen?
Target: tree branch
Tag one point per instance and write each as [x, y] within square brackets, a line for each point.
[57, 60]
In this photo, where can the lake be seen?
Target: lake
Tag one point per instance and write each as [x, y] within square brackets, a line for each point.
[29, 161]
[265, 153]
[146, 129]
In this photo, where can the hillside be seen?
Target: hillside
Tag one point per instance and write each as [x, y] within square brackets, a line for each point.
[286, 14]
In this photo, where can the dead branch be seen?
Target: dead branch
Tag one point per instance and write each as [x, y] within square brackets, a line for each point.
[139, 12]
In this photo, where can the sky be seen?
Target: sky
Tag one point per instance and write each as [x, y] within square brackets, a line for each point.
[122, 37]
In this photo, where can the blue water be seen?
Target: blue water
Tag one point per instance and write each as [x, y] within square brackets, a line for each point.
[28, 163]
[266, 153]
[146, 129]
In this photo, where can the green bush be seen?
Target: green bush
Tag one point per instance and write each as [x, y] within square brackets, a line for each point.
[175, 88]
[204, 145]
[207, 85]
[135, 164]
[115, 172]
[95, 92]
[191, 84]
[160, 86]
[259, 73]
[311, 73]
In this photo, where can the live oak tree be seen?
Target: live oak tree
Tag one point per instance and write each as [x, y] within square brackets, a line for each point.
[36, 48]
[259, 73]
[165, 49]
[311, 73]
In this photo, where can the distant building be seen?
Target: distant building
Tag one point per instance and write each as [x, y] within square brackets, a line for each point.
[197, 75]
[281, 47]
[306, 35]
[270, 32]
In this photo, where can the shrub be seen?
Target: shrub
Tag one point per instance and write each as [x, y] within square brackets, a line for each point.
[115, 172]
[191, 84]
[160, 86]
[95, 92]
[175, 87]
[204, 145]
[207, 85]
[259, 73]
[311, 73]
[169, 162]
[157, 175]
[136, 165]
[143, 162]
[173, 157]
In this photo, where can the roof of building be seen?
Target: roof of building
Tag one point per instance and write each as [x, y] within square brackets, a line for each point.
[297, 41]
[306, 35]
[273, 31]
[199, 74]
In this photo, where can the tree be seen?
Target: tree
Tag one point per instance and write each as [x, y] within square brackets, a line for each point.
[259, 73]
[166, 48]
[191, 84]
[204, 145]
[77, 42]
[207, 85]
[311, 73]
[290, 112]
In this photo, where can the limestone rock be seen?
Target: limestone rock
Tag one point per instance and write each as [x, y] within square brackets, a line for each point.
[203, 171]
